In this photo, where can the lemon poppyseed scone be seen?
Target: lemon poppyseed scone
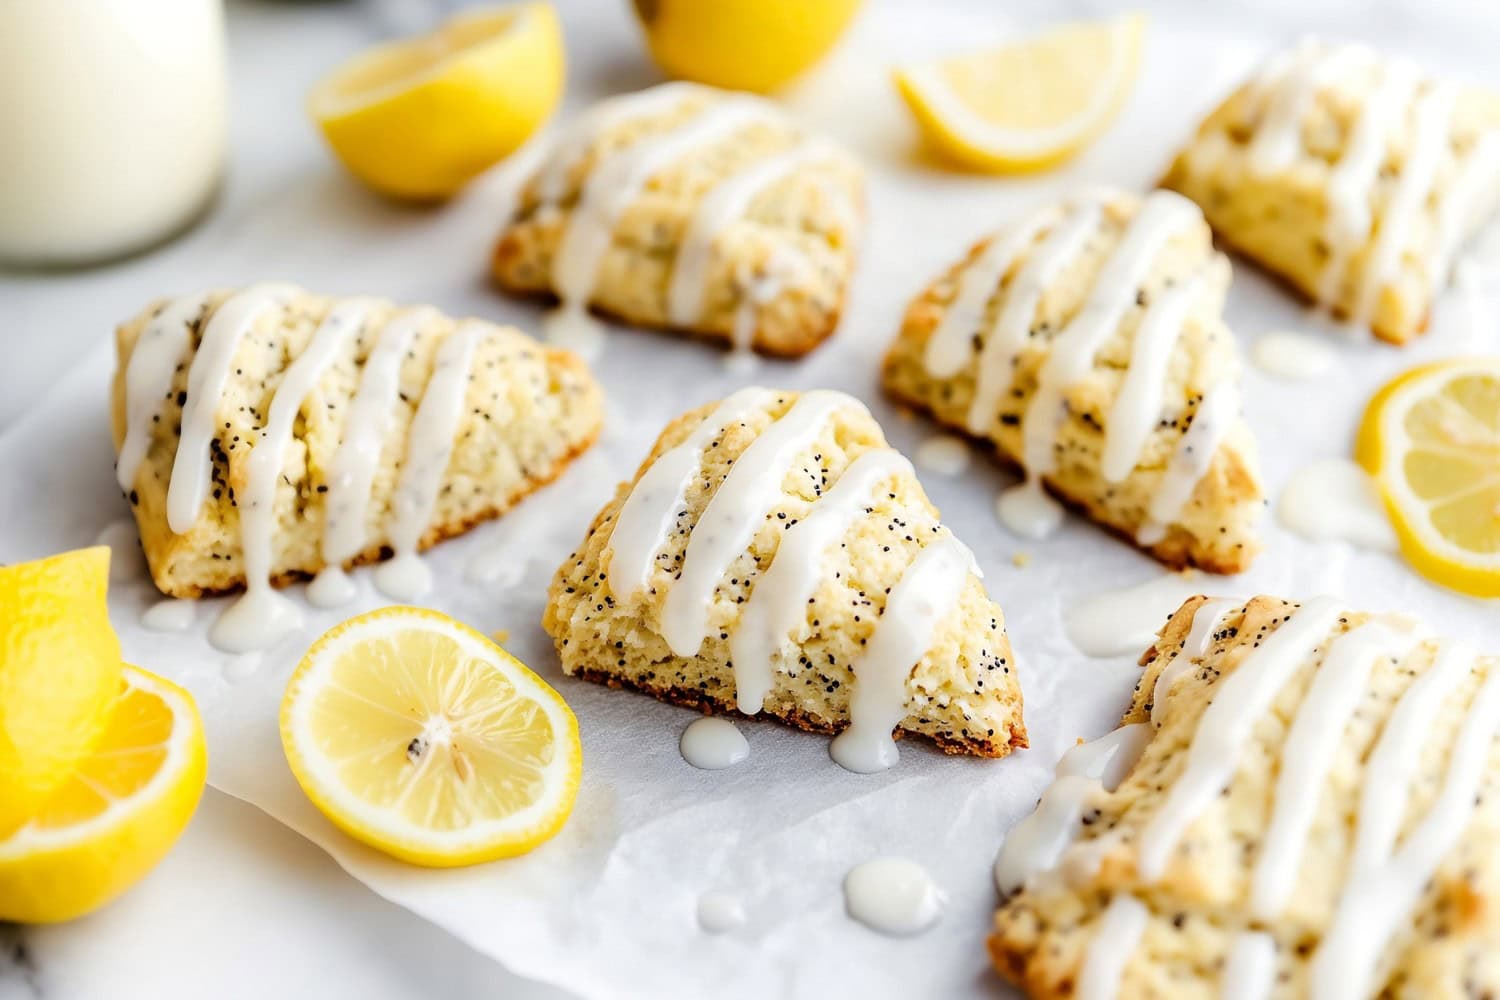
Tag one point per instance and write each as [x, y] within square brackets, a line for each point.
[267, 433]
[692, 209]
[1086, 343]
[1301, 802]
[1354, 177]
[774, 555]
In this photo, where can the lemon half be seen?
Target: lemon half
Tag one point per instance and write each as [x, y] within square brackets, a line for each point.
[116, 814]
[418, 736]
[1431, 439]
[419, 118]
[1029, 105]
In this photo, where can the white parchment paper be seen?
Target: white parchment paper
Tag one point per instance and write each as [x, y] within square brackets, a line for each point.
[607, 908]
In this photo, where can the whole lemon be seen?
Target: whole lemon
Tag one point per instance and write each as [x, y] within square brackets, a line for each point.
[742, 44]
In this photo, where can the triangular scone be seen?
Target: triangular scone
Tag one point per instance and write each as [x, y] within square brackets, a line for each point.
[774, 554]
[347, 427]
[1086, 343]
[693, 209]
[1353, 176]
[1302, 802]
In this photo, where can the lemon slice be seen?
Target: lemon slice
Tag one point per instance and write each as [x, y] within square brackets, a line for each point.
[59, 673]
[1029, 105]
[118, 812]
[1431, 438]
[417, 735]
[419, 118]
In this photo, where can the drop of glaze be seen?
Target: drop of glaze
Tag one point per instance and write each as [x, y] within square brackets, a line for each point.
[893, 896]
[1027, 510]
[242, 667]
[403, 578]
[1289, 355]
[1336, 500]
[572, 328]
[720, 912]
[331, 588]
[257, 619]
[1126, 620]
[943, 455]
[713, 744]
[170, 615]
[126, 560]
[741, 361]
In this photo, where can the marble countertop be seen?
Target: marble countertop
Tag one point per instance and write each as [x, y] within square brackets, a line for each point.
[244, 907]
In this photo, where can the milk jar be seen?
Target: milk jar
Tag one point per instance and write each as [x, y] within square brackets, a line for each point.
[112, 124]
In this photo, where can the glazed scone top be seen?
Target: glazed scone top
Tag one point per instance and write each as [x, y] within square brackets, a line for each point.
[733, 195]
[243, 417]
[775, 553]
[1396, 167]
[1301, 803]
[1086, 340]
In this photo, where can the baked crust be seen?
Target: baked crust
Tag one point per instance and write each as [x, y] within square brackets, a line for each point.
[792, 250]
[963, 694]
[1279, 211]
[1200, 905]
[528, 412]
[1215, 529]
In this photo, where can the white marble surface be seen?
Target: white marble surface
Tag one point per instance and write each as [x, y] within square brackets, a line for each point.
[244, 907]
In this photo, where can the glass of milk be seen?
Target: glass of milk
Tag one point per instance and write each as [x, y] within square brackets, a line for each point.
[112, 124]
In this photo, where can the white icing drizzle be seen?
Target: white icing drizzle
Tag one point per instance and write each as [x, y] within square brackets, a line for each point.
[575, 142]
[719, 912]
[1215, 417]
[1027, 510]
[1225, 726]
[1120, 930]
[1162, 214]
[712, 744]
[1393, 762]
[148, 378]
[1334, 499]
[1376, 903]
[723, 205]
[1351, 183]
[1312, 67]
[1250, 970]
[649, 514]
[1126, 619]
[1036, 844]
[778, 604]
[261, 616]
[1206, 620]
[1431, 116]
[429, 447]
[952, 343]
[1307, 756]
[944, 455]
[921, 601]
[737, 511]
[1137, 407]
[210, 370]
[170, 615]
[615, 183]
[1477, 180]
[1003, 344]
[351, 471]
[1287, 354]
[893, 896]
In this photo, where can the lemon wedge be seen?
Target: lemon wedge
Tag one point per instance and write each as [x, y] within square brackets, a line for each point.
[419, 118]
[1431, 439]
[1029, 105]
[59, 673]
[117, 813]
[418, 736]
[755, 45]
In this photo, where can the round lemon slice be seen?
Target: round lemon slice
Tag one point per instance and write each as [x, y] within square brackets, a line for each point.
[1431, 438]
[118, 812]
[418, 736]
[59, 674]
[419, 118]
[1029, 105]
